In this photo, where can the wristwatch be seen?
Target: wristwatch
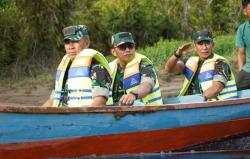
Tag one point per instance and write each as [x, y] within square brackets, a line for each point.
[176, 55]
[135, 94]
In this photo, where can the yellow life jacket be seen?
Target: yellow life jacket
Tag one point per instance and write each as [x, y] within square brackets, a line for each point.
[79, 90]
[206, 75]
[132, 79]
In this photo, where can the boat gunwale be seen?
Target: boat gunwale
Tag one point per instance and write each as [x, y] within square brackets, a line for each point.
[115, 109]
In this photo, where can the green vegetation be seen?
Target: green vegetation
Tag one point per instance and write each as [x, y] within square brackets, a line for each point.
[31, 39]
[225, 46]
[161, 51]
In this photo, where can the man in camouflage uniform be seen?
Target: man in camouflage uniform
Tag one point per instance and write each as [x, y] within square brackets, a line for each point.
[206, 73]
[128, 87]
[76, 39]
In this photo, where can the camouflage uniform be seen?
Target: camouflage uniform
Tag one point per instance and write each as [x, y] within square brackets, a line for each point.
[222, 74]
[147, 73]
[101, 80]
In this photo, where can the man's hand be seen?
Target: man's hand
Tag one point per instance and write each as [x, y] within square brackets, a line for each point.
[214, 90]
[48, 103]
[184, 49]
[99, 101]
[127, 99]
[173, 64]
[241, 57]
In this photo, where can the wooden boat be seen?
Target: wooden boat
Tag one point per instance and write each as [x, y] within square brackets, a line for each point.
[39, 132]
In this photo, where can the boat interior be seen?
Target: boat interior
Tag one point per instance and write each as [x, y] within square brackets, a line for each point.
[199, 98]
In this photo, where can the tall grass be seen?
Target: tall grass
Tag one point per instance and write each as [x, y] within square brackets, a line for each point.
[225, 46]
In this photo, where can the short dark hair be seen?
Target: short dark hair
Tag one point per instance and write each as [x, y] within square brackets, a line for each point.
[245, 3]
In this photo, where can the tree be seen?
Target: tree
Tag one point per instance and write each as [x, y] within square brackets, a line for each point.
[142, 18]
[185, 19]
[8, 35]
[39, 25]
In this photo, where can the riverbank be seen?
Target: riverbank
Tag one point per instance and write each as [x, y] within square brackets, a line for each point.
[35, 92]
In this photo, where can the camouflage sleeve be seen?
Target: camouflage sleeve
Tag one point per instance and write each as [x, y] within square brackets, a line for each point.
[148, 73]
[222, 72]
[101, 81]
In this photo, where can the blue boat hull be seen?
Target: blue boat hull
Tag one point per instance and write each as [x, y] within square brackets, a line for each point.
[24, 127]
[67, 132]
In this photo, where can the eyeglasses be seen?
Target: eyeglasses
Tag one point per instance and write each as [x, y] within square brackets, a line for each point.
[126, 45]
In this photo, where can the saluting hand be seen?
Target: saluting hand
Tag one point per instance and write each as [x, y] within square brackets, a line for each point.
[184, 49]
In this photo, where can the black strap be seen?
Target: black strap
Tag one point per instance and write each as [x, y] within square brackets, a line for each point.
[65, 78]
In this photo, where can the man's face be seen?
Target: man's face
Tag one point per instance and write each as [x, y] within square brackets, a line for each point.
[73, 48]
[124, 52]
[246, 11]
[204, 48]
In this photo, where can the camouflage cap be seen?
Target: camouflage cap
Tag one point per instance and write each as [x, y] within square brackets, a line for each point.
[203, 35]
[121, 38]
[75, 33]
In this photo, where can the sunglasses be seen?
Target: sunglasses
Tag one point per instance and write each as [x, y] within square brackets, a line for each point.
[126, 45]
